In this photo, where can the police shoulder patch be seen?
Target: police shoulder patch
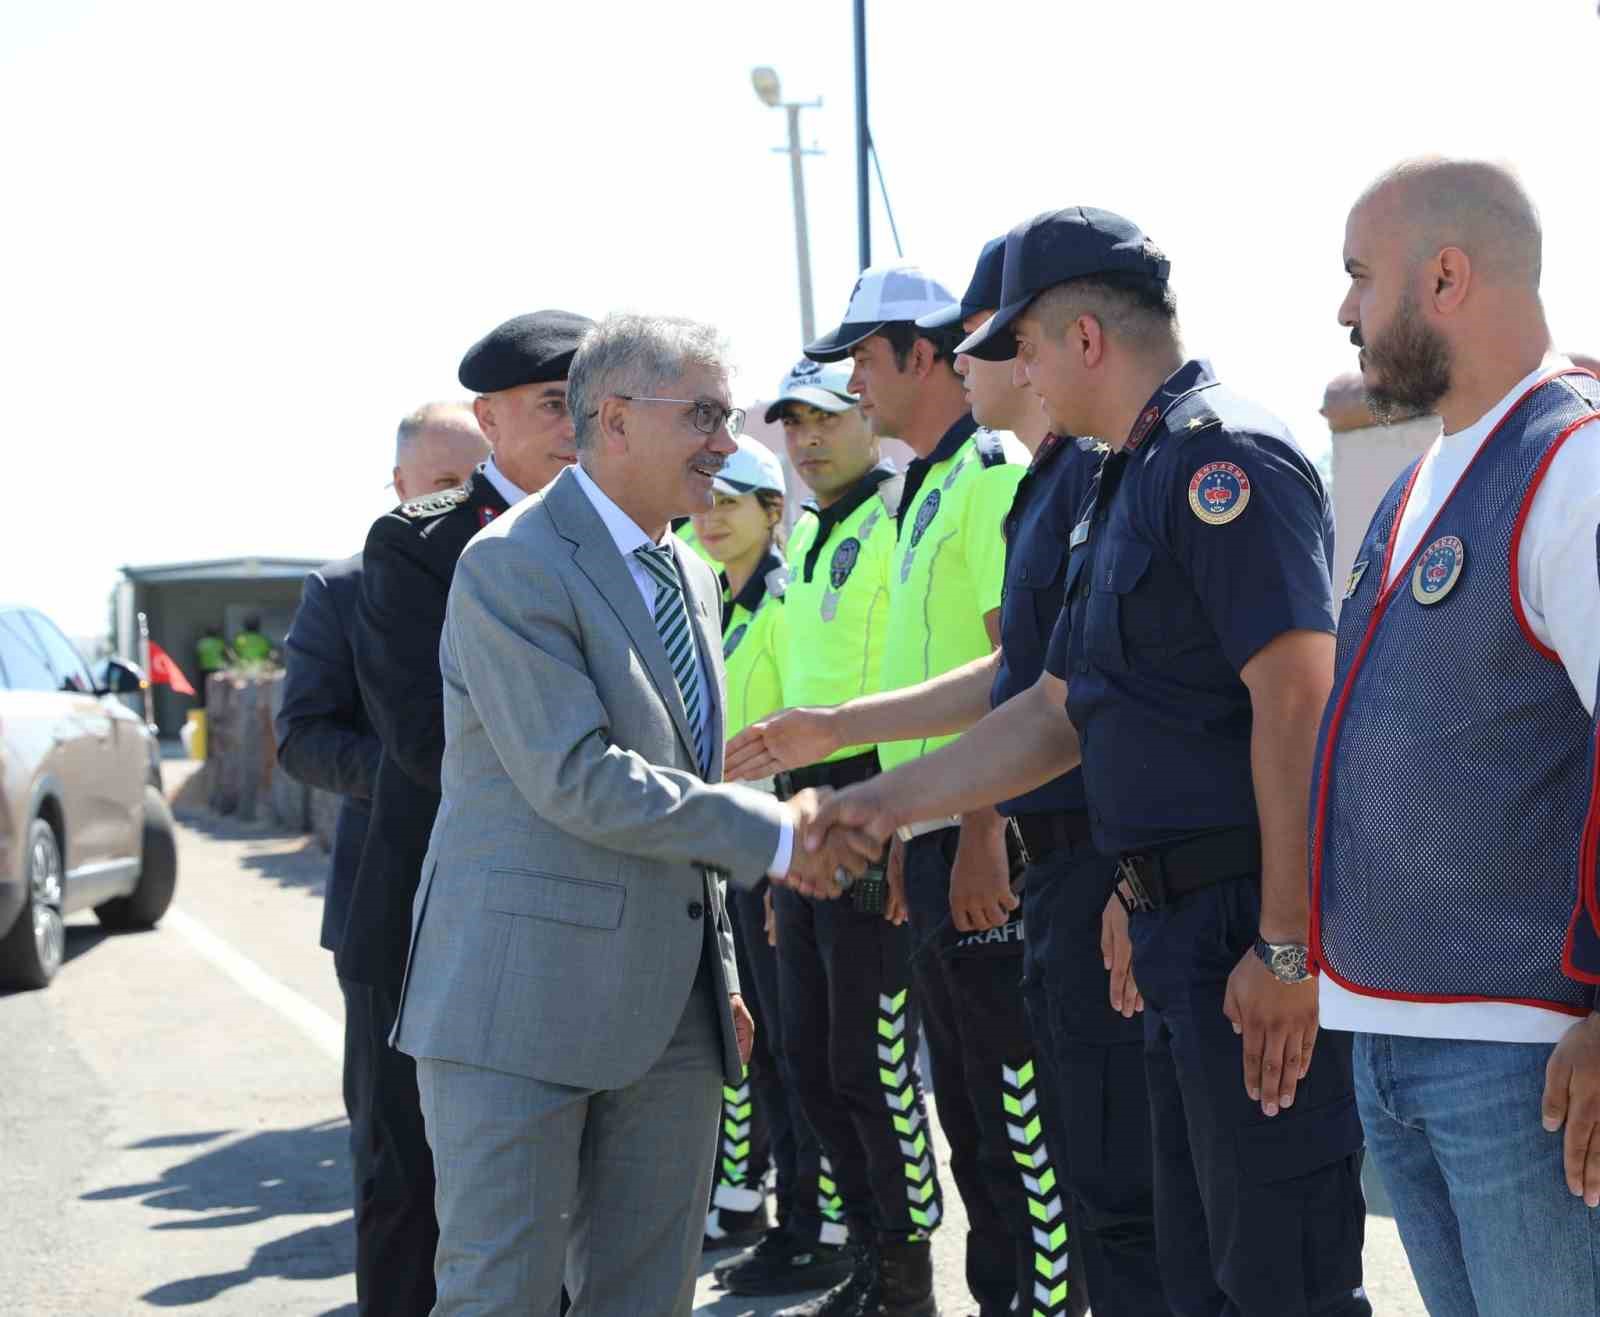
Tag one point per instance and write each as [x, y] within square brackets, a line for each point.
[777, 581]
[1219, 492]
[431, 505]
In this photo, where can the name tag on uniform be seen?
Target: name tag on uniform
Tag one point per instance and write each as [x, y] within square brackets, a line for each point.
[1080, 534]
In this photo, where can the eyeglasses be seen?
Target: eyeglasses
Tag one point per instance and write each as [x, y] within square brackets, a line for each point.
[709, 417]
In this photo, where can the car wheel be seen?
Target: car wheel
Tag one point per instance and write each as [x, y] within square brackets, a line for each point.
[158, 872]
[31, 953]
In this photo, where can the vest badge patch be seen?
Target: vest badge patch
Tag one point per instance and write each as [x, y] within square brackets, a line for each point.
[1438, 569]
[843, 562]
[734, 637]
[1219, 492]
[925, 515]
[1356, 573]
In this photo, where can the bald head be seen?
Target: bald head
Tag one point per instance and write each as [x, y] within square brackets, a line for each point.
[437, 447]
[1481, 208]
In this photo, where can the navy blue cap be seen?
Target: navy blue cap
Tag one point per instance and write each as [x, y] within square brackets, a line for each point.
[530, 349]
[983, 291]
[1050, 249]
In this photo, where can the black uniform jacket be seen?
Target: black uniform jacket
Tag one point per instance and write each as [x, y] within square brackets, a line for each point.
[410, 557]
[324, 736]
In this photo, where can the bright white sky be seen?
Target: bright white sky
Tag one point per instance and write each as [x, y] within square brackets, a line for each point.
[240, 241]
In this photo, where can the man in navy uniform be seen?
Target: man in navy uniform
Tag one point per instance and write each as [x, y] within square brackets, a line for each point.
[1455, 810]
[519, 371]
[1187, 674]
[326, 740]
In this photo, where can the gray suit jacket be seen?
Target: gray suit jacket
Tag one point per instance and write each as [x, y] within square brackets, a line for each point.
[573, 881]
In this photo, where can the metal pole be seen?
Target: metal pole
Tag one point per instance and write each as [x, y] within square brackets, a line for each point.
[802, 240]
[144, 665]
[863, 139]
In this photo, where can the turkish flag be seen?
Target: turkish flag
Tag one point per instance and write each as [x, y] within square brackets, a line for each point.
[164, 670]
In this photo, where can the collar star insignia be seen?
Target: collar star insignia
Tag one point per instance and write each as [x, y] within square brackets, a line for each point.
[1195, 423]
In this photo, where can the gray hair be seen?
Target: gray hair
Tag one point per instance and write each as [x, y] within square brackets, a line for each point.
[637, 354]
[434, 416]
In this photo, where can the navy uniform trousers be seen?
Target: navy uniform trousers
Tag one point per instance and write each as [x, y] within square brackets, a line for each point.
[1255, 1216]
[994, 1101]
[778, 1135]
[850, 1039]
[1093, 1063]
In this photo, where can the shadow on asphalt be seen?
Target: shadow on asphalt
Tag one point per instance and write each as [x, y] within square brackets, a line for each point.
[274, 1173]
[306, 866]
[80, 938]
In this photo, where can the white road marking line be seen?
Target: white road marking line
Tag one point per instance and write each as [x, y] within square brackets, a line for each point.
[317, 1025]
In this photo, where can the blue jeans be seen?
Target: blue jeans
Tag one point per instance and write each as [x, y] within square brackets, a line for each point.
[1477, 1184]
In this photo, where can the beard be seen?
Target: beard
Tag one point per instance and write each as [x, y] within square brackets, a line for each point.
[1408, 364]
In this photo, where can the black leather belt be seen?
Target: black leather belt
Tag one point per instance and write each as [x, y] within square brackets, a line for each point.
[1149, 880]
[1058, 830]
[837, 773]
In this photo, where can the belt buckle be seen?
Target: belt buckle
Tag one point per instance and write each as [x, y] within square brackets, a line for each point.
[1136, 899]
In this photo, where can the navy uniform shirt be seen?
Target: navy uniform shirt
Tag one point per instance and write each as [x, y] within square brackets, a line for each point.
[1210, 534]
[1047, 505]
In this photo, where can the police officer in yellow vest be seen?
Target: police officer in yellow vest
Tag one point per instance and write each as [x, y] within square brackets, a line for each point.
[850, 1027]
[947, 571]
[762, 1122]
[210, 655]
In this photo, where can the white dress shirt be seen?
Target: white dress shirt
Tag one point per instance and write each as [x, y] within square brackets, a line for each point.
[627, 536]
[513, 494]
[1560, 588]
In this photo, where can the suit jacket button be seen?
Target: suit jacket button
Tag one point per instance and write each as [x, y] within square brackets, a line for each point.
[696, 909]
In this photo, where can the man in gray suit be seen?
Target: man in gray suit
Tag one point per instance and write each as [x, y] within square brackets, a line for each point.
[571, 997]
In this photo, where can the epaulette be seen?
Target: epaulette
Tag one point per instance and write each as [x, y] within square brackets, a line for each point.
[777, 583]
[991, 451]
[432, 505]
[1190, 415]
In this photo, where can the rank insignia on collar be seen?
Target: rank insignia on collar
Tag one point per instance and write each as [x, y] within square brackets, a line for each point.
[1142, 427]
[1356, 573]
[1438, 568]
[1219, 492]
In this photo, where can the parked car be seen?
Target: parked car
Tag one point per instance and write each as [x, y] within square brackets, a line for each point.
[83, 821]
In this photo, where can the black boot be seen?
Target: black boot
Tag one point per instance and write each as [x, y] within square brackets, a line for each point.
[905, 1281]
[729, 1229]
[854, 1296]
[783, 1264]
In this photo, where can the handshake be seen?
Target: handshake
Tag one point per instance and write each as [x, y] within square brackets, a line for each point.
[835, 841]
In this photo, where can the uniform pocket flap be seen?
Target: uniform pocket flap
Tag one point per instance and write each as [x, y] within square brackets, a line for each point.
[556, 897]
[1300, 1141]
[1125, 565]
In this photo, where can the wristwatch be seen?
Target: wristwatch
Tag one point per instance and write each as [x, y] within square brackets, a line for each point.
[1287, 960]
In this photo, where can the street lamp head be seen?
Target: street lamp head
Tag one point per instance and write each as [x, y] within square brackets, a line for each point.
[765, 81]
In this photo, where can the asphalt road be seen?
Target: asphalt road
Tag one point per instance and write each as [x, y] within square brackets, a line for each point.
[171, 1133]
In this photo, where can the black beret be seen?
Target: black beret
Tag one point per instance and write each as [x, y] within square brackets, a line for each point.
[530, 349]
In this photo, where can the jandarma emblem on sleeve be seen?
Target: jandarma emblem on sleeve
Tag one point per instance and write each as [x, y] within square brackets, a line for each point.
[1219, 492]
[1438, 569]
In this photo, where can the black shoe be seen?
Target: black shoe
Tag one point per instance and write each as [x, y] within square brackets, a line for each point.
[781, 1264]
[905, 1281]
[725, 1229]
[854, 1296]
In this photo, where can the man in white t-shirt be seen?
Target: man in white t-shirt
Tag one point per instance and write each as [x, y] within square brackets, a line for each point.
[1454, 776]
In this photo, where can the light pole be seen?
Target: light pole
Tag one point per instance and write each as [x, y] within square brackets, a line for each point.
[765, 81]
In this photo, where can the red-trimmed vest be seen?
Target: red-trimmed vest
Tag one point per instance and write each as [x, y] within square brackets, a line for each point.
[1455, 774]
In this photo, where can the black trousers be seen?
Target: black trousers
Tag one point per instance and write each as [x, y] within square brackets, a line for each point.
[850, 1038]
[993, 1101]
[396, 1230]
[1093, 1064]
[1254, 1215]
[762, 1123]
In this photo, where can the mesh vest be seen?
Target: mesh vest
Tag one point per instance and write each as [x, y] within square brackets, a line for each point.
[1453, 773]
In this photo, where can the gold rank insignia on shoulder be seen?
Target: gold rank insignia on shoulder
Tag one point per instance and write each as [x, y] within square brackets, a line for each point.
[431, 505]
[1438, 568]
[1219, 492]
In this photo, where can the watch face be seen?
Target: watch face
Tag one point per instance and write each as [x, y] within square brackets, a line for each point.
[1286, 960]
